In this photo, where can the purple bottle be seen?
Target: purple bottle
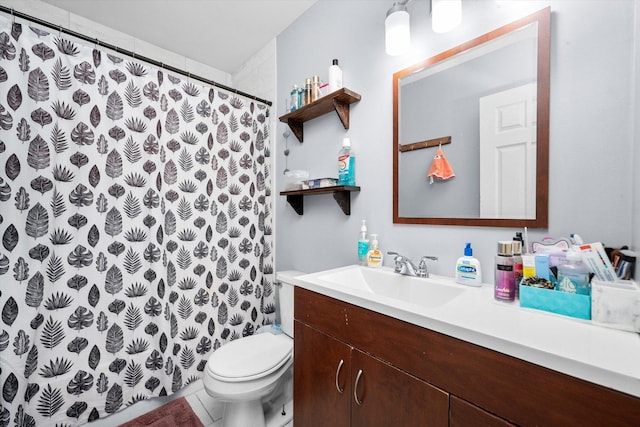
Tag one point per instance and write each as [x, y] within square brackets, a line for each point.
[504, 288]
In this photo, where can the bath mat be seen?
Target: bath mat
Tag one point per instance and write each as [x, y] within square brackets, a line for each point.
[176, 413]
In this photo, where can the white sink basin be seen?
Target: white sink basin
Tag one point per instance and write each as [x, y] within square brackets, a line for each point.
[425, 292]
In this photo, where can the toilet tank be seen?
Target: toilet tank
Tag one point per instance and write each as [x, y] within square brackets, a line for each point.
[284, 300]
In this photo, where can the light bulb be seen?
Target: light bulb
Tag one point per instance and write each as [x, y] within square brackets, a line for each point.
[397, 31]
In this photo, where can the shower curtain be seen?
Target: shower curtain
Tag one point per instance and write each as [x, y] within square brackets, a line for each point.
[135, 216]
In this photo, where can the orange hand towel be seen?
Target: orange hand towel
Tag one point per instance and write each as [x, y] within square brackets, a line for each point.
[440, 167]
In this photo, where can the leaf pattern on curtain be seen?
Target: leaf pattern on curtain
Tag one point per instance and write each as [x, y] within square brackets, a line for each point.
[135, 216]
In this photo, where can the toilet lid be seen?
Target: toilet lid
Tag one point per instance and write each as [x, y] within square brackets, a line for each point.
[251, 357]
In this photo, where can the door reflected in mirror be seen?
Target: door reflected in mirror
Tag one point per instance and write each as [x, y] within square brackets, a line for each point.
[490, 98]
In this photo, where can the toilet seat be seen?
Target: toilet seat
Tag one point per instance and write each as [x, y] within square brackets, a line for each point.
[250, 358]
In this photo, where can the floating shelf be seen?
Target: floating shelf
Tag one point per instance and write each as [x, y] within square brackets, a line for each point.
[341, 193]
[337, 101]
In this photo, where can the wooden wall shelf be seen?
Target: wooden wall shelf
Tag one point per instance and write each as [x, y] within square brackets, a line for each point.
[337, 101]
[341, 193]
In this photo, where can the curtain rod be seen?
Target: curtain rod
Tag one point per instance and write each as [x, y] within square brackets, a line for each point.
[15, 13]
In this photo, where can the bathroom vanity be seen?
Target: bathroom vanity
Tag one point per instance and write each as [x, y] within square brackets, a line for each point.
[357, 362]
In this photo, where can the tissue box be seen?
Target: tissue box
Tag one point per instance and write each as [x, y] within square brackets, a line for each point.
[616, 304]
[565, 303]
[319, 183]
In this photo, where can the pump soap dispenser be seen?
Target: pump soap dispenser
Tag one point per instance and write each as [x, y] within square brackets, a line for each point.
[468, 270]
[374, 256]
[363, 244]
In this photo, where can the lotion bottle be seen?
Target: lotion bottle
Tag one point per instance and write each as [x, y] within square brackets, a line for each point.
[335, 76]
[374, 256]
[363, 244]
[468, 270]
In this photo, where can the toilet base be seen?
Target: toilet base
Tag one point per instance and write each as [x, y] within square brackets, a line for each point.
[243, 414]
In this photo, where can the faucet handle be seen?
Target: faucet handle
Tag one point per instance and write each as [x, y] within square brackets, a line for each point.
[398, 260]
[423, 271]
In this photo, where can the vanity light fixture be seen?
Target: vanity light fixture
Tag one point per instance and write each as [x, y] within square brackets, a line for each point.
[397, 29]
[446, 15]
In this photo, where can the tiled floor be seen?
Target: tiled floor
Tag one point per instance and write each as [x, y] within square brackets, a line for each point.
[206, 408]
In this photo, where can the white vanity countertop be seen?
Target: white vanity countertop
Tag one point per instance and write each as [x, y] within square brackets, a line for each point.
[601, 355]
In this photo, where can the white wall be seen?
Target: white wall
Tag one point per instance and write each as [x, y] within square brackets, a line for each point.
[592, 130]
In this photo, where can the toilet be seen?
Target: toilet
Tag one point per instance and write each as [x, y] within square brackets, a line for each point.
[246, 371]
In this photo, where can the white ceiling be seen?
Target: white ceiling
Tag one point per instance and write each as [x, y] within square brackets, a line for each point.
[220, 33]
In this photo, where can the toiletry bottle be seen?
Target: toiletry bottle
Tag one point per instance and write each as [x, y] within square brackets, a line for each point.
[573, 275]
[295, 98]
[335, 76]
[517, 262]
[307, 91]
[315, 88]
[504, 289]
[374, 256]
[300, 97]
[468, 268]
[346, 164]
[363, 244]
[528, 265]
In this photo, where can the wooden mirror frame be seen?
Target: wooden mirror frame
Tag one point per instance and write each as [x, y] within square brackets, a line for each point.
[543, 19]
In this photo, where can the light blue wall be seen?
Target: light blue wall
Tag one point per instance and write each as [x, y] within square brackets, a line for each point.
[593, 125]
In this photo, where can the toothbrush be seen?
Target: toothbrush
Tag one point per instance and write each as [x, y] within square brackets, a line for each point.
[576, 239]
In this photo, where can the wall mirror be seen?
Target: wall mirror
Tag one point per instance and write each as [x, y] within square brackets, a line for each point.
[485, 104]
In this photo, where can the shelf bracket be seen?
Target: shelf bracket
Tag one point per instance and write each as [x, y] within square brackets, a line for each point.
[342, 108]
[344, 201]
[297, 128]
[297, 203]
[341, 194]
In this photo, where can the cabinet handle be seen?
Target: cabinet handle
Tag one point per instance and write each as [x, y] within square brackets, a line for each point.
[355, 388]
[340, 390]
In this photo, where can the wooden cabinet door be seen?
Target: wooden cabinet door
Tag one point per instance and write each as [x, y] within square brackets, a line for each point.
[321, 379]
[386, 396]
[465, 414]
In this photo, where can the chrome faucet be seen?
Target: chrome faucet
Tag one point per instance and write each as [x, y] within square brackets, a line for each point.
[405, 266]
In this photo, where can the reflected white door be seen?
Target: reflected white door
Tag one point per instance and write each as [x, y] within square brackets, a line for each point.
[508, 153]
